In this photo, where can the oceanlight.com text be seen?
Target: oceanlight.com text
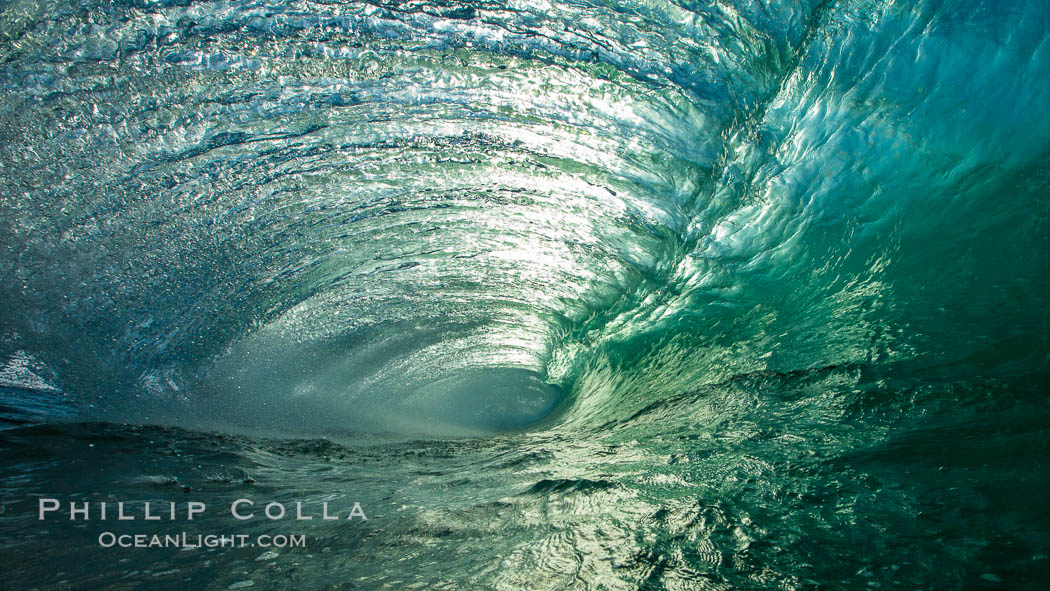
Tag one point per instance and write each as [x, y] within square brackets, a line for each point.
[184, 540]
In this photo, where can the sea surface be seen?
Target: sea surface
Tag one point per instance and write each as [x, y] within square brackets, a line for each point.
[565, 295]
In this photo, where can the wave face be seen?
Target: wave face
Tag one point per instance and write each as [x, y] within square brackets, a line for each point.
[782, 256]
[366, 215]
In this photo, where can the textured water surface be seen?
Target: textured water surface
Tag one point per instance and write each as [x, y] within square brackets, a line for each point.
[568, 295]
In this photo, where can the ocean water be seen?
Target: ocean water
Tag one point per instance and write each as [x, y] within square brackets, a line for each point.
[653, 294]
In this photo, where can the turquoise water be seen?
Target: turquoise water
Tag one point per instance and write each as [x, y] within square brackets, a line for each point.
[570, 295]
